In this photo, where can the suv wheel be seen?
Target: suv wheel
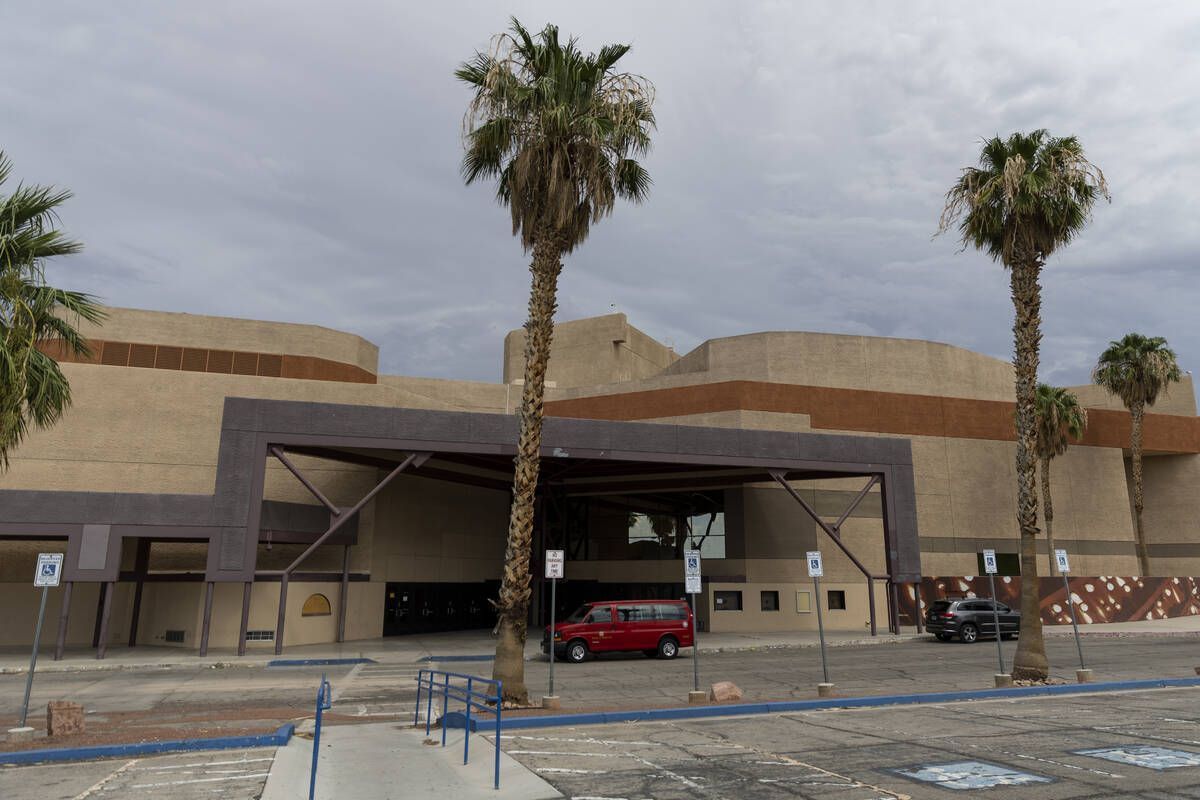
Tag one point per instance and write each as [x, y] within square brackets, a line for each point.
[668, 647]
[968, 633]
[577, 651]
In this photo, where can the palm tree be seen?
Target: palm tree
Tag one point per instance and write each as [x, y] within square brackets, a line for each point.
[1059, 416]
[559, 131]
[1136, 369]
[32, 388]
[1030, 195]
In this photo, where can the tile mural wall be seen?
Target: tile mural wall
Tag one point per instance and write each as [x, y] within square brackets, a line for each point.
[1102, 598]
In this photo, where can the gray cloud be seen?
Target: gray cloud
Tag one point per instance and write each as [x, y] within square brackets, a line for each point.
[299, 161]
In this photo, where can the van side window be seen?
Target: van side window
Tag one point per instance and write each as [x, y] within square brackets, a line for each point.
[671, 611]
[601, 614]
[639, 613]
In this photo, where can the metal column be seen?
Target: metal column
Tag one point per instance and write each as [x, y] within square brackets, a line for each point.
[106, 610]
[208, 600]
[60, 643]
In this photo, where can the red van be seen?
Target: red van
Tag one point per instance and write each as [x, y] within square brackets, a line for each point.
[656, 627]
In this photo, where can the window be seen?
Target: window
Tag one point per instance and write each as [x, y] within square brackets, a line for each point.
[837, 600]
[727, 601]
[600, 614]
[317, 605]
[769, 600]
[642, 612]
[260, 636]
[671, 611]
[803, 603]
[1006, 564]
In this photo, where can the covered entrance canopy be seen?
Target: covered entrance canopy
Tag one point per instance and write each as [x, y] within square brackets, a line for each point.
[583, 457]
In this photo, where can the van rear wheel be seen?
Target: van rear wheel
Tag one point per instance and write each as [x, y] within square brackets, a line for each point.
[668, 647]
[577, 651]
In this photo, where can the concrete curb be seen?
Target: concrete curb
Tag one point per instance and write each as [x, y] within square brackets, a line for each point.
[693, 712]
[277, 739]
[318, 662]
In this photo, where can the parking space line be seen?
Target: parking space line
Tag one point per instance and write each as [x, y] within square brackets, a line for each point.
[205, 764]
[103, 781]
[199, 780]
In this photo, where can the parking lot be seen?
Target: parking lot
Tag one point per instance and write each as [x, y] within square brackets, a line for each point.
[1115, 746]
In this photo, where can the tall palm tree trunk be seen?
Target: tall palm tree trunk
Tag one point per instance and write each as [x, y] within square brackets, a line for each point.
[513, 605]
[1048, 511]
[1136, 412]
[1030, 661]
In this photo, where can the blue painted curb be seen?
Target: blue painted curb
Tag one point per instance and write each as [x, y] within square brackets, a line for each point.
[697, 712]
[457, 658]
[458, 719]
[277, 739]
[318, 662]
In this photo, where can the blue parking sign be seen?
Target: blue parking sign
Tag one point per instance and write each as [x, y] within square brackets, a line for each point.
[49, 569]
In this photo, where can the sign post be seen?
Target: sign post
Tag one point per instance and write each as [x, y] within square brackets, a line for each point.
[989, 566]
[815, 571]
[1064, 566]
[554, 571]
[691, 579]
[47, 574]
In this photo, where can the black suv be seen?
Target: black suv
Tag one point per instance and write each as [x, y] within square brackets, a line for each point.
[968, 618]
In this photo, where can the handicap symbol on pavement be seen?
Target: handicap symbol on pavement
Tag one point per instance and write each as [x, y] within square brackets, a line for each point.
[969, 775]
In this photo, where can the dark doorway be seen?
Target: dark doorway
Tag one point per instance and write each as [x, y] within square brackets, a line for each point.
[429, 607]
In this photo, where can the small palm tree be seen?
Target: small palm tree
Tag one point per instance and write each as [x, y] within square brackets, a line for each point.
[559, 131]
[32, 388]
[1030, 195]
[1059, 418]
[1137, 369]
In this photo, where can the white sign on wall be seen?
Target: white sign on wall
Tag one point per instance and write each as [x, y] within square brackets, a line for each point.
[49, 569]
[989, 562]
[1060, 557]
[554, 563]
[815, 568]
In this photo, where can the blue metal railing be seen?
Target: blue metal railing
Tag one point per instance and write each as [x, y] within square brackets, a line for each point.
[453, 685]
[324, 701]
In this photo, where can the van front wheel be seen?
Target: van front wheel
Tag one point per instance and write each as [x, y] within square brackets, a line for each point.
[668, 647]
[577, 651]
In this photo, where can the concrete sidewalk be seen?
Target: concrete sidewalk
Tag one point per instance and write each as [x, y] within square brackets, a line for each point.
[386, 761]
[414, 648]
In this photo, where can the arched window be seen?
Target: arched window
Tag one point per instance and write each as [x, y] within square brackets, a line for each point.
[317, 605]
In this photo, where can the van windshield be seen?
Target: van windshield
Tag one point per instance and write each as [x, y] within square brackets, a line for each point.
[578, 614]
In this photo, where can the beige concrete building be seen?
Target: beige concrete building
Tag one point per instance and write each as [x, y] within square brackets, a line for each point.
[902, 448]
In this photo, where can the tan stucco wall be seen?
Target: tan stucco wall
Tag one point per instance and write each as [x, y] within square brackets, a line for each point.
[855, 617]
[589, 351]
[429, 530]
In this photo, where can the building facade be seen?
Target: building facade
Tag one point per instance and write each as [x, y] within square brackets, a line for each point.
[146, 483]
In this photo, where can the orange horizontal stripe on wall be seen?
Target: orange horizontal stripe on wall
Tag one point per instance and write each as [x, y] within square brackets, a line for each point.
[222, 362]
[874, 412]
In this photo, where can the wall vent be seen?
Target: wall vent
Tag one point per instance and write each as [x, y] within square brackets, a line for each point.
[260, 636]
[175, 637]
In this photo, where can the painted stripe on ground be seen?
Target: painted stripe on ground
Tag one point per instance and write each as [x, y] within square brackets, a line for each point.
[697, 712]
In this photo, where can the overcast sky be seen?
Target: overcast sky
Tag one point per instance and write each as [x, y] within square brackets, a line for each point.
[298, 161]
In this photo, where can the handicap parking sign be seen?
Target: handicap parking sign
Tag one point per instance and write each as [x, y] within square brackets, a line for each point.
[49, 569]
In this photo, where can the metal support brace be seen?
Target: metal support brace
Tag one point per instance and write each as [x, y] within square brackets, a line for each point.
[412, 460]
[277, 451]
[837, 526]
[780, 477]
